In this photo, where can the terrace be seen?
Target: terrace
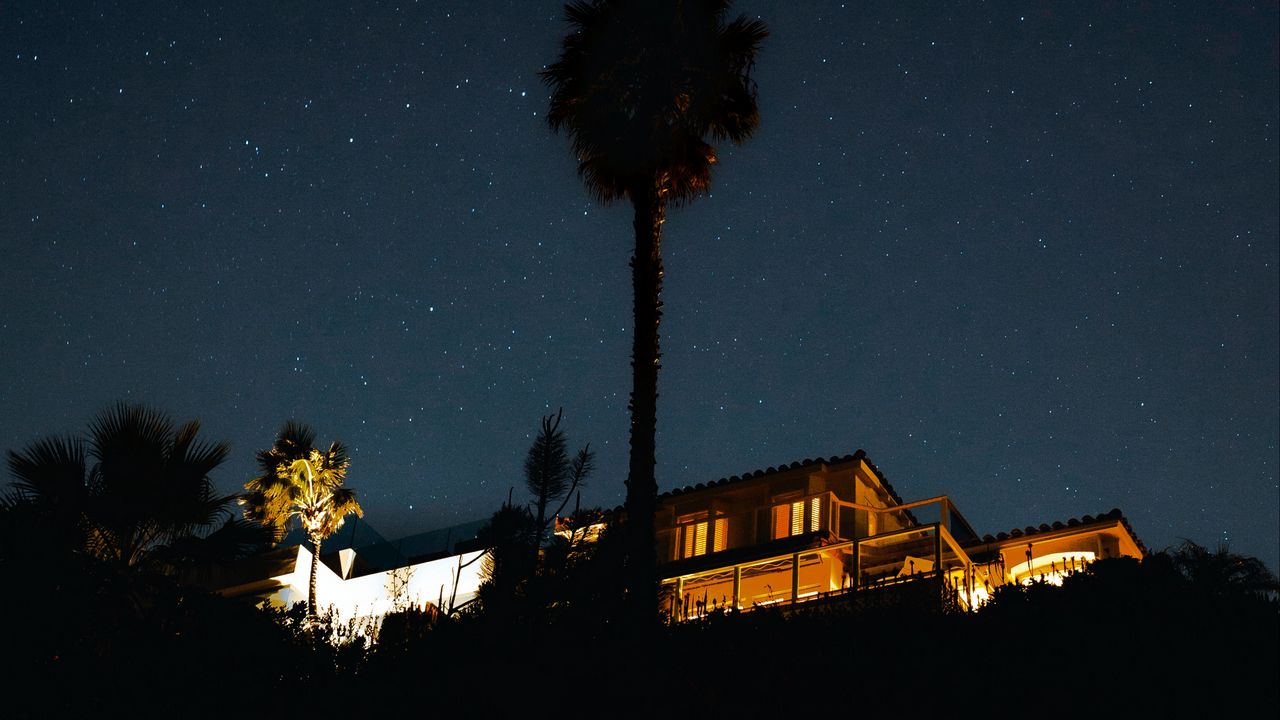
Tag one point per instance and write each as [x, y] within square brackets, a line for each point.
[811, 562]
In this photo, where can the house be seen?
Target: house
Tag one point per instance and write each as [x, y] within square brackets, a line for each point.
[362, 576]
[827, 529]
[812, 531]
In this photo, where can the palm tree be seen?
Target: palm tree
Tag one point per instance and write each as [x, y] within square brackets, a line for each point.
[297, 480]
[1222, 572]
[639, 87]
[135, 494]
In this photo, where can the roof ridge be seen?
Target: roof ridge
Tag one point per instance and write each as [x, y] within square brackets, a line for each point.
[1111, 515]
[858, 454]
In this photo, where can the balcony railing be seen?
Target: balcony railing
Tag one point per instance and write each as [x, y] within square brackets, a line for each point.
[925, 552]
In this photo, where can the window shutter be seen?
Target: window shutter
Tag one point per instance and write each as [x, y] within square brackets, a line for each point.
[721, 538]
[781, 521]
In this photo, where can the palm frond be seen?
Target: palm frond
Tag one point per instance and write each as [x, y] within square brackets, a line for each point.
[640, 86]
[50, 470]
[299, 482]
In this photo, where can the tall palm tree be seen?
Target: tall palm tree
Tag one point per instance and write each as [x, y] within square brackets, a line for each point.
[135, 493]
[299, 481]
[640, 86]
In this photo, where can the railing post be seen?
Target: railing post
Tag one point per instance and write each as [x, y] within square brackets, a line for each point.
[737, 587]
[856, 582]
[795, 578]
[937, 549]
[679, 599]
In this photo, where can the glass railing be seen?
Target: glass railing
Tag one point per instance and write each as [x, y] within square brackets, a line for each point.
[928, 552]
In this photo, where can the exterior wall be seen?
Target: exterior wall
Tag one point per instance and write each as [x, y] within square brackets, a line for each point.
[1063, 550]
[378, 593]
[747, 507]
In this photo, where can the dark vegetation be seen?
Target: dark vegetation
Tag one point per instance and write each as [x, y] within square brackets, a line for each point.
[103, 542]
[1181, 630]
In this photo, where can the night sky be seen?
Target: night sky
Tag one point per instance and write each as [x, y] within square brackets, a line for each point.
[1025, 254]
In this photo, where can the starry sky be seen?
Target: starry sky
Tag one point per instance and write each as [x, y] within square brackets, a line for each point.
[1025, 254]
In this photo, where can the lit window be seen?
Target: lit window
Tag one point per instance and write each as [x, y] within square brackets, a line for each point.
[1051, 568]
[695, 539]
[696, 535]
[797, 517]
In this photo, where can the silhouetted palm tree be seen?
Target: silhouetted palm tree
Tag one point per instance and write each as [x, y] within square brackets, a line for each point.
[297, 480]
[1222, 572]
[136, 493]
[639, 87]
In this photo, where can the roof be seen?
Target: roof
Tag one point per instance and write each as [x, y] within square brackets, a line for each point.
[374, 553]
[1111, 516]
[787, 467]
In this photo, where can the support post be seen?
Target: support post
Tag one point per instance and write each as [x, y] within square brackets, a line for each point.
[737, 588]
[856, 583]
[937, 549]
[795, 578]
[679, 599]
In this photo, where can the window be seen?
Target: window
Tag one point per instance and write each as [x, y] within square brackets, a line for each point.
[697, 534]
[795, 518]
[1051, 568]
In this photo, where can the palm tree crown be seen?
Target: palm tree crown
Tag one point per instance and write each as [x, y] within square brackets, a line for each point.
[640, 86]
[297, 480]
[135, 492]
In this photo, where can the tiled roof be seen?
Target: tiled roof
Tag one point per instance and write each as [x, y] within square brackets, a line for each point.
[1110, 516]
[800, 464]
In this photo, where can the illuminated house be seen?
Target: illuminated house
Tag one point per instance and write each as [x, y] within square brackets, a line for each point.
[813, 531]
[831, 529]
[362, 576]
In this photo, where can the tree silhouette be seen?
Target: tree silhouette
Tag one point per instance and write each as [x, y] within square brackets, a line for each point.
[297, 480]
[639, 88]
[509, 562]
[550, 475]
[135, 493]
[1221, 572]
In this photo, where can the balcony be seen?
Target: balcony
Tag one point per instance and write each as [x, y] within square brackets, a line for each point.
[832, 570]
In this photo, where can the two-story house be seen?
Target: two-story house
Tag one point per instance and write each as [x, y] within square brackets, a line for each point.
[826, 529]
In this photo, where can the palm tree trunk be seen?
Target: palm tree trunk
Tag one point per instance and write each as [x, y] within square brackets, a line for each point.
[315, 568]
[642, 486]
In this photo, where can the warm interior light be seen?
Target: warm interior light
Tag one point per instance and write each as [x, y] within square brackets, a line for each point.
[695, 539]
[1051, 568]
